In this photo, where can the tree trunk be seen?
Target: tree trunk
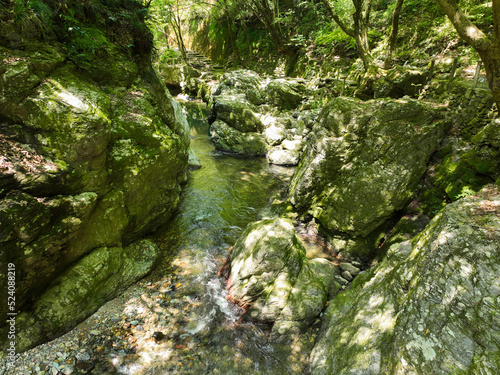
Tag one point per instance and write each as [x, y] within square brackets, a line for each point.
[247, 35]
[393, 35]
[488, 50]
[230, 31]
[361, 20]
[491, 60]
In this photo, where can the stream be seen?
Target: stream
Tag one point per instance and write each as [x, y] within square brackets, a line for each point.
[178, 320]
[219, 200]
[205, 332]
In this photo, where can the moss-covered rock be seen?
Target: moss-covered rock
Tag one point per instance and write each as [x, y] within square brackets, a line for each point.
[430, 307]
[271, 277]
[400, 81]
[263, 108]
[228, 139]
[362, 164]
[93, 153]
[84, 287]
[237, 113]
[283, 94]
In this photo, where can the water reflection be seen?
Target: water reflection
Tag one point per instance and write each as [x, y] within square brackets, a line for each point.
[219, 200]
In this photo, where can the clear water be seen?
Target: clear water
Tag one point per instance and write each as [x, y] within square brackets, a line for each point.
[219, 200]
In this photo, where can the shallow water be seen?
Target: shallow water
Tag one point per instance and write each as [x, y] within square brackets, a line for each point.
[178, 320]
[219, 200]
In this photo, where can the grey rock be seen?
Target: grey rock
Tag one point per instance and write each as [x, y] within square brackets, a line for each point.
[226, 138]
[270, 274]
[347, 275]
[85, 356]
[388, 142]
[430, 307]
[354, 271]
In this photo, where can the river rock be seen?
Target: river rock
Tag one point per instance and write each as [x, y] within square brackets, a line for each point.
[193, 161]
[239, 81]
[271, 277]
[430, 307]
[362, 163]
[237, 112]
[248, 103]
[226, 138]
[283, 94]
[88, 162]
[280, 156]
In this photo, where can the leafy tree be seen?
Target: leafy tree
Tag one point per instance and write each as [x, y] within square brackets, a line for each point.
[487, 48]
[393, 35]
[359, 30]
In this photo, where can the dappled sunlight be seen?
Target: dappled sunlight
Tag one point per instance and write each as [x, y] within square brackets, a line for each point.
[72, 100]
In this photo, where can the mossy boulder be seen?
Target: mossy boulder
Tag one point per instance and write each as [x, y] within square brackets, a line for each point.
[228, 139]
[283, 94]
[400, 81]
[430, 307]
[362, 163]
[89, 160]
[237, 112]
[271, 277]
[90, 283]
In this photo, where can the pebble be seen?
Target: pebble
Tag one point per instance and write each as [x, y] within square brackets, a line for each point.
[68, 370]
[83, 356]
[134, 322]
[341, 280]
[347, 275]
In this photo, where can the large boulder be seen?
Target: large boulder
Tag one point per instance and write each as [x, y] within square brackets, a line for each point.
[228, 139]
[400, 81]
[253, 107]
[362, 163]
[271, 277]
[283, 94]
[430, 307]
[87, 162]
[237, 112]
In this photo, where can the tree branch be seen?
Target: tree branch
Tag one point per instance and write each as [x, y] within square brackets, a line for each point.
[465, 28]
[337, 19]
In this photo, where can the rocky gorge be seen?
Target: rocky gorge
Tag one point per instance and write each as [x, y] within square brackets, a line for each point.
[361, 175]
[380, 255]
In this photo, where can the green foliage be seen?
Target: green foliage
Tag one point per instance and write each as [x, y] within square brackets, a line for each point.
[87, 27]
[86, 43]
[334, 35]
[466, 191]
[33, 16]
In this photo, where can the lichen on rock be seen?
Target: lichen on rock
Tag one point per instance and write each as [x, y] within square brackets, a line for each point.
[430, 307]
[362, 162]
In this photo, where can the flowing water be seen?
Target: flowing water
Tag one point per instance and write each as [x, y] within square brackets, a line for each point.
[219, 200]
[178, 319]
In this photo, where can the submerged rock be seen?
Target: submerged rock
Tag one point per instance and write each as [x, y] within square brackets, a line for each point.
[430, 307]
[362, 163]
[271, 277]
